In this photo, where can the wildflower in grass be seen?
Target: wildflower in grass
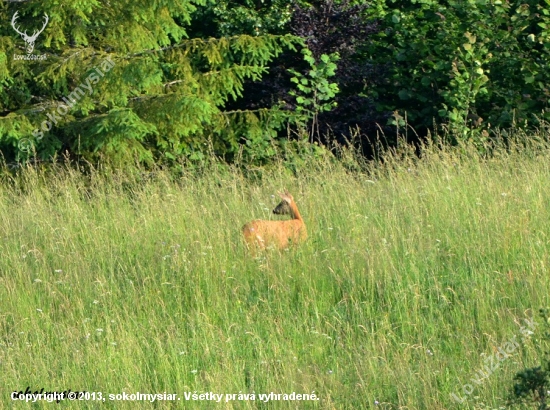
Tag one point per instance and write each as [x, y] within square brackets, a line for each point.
[194, 371]
[99, 330]
[428, 351]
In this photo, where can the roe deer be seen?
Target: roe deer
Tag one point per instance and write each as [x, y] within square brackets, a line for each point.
[261, 234]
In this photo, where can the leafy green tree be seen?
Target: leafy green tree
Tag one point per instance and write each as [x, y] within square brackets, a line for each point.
[254, 17]
[469, 64]
[315, 92]
[124, 80]
[305, 83]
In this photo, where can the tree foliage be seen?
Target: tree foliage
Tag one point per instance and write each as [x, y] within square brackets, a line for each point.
[163, 97]
[334, 33]
[470, 64]
[164, 80]
[253, 17]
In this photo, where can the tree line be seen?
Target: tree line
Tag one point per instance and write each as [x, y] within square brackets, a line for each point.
[161, 81]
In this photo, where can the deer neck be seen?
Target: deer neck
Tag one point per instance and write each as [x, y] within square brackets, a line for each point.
[295, 213]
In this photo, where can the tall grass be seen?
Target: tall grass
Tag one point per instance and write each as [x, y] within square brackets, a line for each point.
[413, 271]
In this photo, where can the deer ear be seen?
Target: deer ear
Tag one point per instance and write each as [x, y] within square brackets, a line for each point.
[286, 197]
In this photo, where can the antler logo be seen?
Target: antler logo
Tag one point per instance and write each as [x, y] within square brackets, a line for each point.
[29, 39]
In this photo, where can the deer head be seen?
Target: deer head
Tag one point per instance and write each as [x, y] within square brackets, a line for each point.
[29, 39]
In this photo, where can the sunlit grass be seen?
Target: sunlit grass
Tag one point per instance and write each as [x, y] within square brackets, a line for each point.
[413, 270]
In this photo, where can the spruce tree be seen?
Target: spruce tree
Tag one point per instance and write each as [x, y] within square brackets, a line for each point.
[125, 80]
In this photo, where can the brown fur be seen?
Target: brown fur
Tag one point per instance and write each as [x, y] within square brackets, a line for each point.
[280, 234]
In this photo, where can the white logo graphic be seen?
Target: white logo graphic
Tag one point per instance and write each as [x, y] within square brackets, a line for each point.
[29, 39]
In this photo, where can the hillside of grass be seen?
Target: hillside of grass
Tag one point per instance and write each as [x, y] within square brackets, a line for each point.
[416, 271]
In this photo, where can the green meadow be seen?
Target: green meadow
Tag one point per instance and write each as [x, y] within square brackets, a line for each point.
[417, 273]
